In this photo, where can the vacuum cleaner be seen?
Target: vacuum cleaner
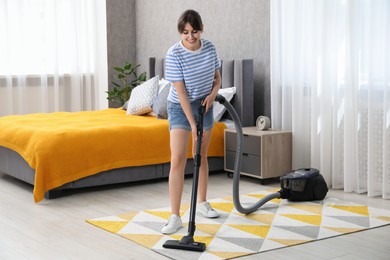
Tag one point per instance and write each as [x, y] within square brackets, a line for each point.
[187, 242]
[304, 184]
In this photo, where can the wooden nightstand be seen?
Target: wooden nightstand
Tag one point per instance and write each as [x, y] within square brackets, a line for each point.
[265, 154]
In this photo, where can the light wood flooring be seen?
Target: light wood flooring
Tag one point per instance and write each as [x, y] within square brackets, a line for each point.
[56, 229]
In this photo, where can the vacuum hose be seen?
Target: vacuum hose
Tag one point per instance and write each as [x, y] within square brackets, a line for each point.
[237, 164]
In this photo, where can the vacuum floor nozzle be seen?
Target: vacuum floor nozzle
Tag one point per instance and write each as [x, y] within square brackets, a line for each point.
[191, 246]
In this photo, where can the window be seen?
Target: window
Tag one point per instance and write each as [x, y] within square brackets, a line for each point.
[47, 37]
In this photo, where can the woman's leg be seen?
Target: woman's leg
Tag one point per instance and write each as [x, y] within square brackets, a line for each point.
[204, 165]
[179, 147]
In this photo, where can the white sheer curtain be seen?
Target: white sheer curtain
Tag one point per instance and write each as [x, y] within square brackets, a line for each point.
[330, 85]
[52, 55]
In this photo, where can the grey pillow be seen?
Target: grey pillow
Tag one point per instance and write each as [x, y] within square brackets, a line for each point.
[160, 103]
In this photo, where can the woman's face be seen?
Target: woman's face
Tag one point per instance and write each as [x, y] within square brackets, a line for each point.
[191, 38]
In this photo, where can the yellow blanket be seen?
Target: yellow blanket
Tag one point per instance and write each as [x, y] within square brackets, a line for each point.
[63, 147]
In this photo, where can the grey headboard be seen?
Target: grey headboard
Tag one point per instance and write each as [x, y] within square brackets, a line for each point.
[237, 73]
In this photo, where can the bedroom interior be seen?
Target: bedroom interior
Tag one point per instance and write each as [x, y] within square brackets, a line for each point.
[85, 138]
[135, 32]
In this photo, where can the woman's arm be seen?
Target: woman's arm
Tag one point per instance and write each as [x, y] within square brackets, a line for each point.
[209, 100]
[185, 104]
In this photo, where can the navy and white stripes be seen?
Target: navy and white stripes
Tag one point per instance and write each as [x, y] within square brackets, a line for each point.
[195, 68]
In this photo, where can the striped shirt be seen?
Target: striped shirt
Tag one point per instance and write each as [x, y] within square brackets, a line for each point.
[195, 68]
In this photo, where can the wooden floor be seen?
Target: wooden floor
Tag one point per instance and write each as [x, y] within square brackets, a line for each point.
[56, 229]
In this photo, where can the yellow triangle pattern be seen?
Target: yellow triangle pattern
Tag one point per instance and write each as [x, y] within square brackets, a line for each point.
[224, 206]
[161, 214]
[362, 210]
[128, 216]
[263, 218]
[310, 219]
[228, 198]
[176, 237]
[257, 196]
[344, 230]
[184, 208]
[385, 218]
[257, 230]
[289, 242]
[111, 226]
[228, 255]
[167, 214]
[204, 239]
[316, 209]
[260, 196]
[272, 190]
[143, 239]
[211, 229]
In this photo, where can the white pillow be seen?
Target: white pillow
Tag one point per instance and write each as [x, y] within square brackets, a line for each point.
[162, 83]
[141, 97]
[219, 109]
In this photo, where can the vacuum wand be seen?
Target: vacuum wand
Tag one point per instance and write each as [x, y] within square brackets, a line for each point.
[197, 162]
[187, 242]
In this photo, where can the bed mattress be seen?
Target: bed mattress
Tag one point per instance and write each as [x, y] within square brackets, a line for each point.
[65, 146]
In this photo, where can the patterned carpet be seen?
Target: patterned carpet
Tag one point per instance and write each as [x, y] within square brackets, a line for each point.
[279, 223]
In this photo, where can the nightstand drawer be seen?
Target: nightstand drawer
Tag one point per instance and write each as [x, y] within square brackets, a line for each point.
[249, 163]
[251, 144]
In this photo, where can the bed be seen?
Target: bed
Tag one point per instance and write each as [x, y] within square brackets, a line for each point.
[81, 149]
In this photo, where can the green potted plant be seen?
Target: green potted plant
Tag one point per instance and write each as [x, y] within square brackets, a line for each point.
[126, 78]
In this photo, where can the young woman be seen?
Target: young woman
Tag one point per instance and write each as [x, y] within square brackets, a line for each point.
[192, 66]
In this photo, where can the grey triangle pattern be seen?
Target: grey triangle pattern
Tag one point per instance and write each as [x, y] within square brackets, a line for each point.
[155, 226]
[360, 221]
[253, 244]
[308, 231]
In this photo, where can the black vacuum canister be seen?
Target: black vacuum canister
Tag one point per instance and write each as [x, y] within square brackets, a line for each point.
[304, 184]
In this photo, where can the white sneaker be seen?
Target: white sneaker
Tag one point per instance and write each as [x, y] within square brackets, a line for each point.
[173, 225]
[206, 210]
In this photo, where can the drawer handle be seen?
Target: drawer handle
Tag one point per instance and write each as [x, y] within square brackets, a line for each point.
[245, 154]
[245, 135]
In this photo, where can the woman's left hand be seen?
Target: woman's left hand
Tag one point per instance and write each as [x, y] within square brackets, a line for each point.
[208, 102]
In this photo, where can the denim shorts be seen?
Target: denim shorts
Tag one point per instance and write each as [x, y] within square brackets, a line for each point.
[178, 120]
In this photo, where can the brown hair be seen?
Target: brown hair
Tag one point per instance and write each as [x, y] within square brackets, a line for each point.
[193, 18]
